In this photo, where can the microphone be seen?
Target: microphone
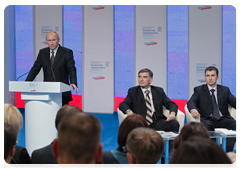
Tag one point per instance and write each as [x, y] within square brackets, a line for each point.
[22, 75]
[53, 74]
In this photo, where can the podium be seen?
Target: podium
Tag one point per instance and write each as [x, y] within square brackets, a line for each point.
[42, 102]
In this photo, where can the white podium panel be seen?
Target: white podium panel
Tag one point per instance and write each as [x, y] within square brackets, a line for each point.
[42, 102]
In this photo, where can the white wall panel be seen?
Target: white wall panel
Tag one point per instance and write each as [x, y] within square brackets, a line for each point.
[151, 43]
[46, 18]
[98, 59]
[205, 42]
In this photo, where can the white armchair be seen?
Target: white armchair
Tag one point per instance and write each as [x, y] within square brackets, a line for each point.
[180, 117]
[190, 118]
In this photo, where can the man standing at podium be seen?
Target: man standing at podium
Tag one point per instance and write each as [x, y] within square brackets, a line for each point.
[57, 63]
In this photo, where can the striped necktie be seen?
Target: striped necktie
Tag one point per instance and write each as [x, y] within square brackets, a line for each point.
[149, 108]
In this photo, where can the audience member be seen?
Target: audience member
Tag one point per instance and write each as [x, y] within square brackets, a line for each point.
[13, 117]
[188, 130]
[78, 140]
[144, 146]
[118, 156]
[199, 150]
[45, 155]
[10, 138]
[231, 156]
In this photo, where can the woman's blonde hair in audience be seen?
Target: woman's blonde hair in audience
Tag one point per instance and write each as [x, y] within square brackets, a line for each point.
[13, 117]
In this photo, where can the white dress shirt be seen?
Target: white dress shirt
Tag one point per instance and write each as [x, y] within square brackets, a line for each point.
[55, 52]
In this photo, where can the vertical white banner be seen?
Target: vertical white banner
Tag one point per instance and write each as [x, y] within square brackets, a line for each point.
[98, 59]
[151, 42]
[46, 18]
[205, 42]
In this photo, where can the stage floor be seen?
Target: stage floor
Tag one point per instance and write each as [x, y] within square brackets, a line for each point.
[109, 131]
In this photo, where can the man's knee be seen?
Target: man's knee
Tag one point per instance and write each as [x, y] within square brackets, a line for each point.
[232, 126]
[175, 126]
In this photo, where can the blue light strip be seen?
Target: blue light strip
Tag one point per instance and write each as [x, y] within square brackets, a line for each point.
[72, 37]
[177, 52]
[23, 39]
[123, 49]
[229, 48]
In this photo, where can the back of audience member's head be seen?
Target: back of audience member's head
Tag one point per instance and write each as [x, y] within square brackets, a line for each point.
[13, 117]
[199, 150]
[144, 146]
[78, 140]
[65, 110]
[10, 139]
[128, 124]
[191, 129]
[233, 158]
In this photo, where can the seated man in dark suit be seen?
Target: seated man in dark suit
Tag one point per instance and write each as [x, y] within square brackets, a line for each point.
[10, 139]
[148, 101]
[210, 101]
[45, 155]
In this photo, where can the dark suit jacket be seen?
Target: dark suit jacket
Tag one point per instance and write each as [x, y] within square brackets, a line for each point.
[201, 100]
[108, 158]
[44, 156]
[20, 156]
[63, 67]
[136, 102]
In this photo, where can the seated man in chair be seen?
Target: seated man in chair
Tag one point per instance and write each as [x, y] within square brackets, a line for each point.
[148, 101]
[210, 101]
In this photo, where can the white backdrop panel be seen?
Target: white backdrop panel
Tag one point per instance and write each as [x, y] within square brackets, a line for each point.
[205, 42]
[46, 18]
[98, 59]
[150, 42]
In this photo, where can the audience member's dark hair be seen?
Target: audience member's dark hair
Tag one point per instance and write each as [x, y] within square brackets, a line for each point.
[191, 129]
[79, 137]
[128, 124]
[199, 150]
[146, 70]
[10, 139]
[65, 110]
[143, 142]
[176, 142]
[210, 68]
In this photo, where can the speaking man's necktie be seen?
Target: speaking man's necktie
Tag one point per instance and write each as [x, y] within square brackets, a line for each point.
[215, 113]
[52, 58]
[149, 108]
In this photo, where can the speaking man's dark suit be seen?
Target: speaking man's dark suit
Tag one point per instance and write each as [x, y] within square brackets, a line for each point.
[44, 156]
[201, 101]
[136, 102]
[62, 68]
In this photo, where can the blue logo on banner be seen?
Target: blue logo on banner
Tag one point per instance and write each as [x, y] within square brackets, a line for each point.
[98, 7]
[150, 43]
[204, 7]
